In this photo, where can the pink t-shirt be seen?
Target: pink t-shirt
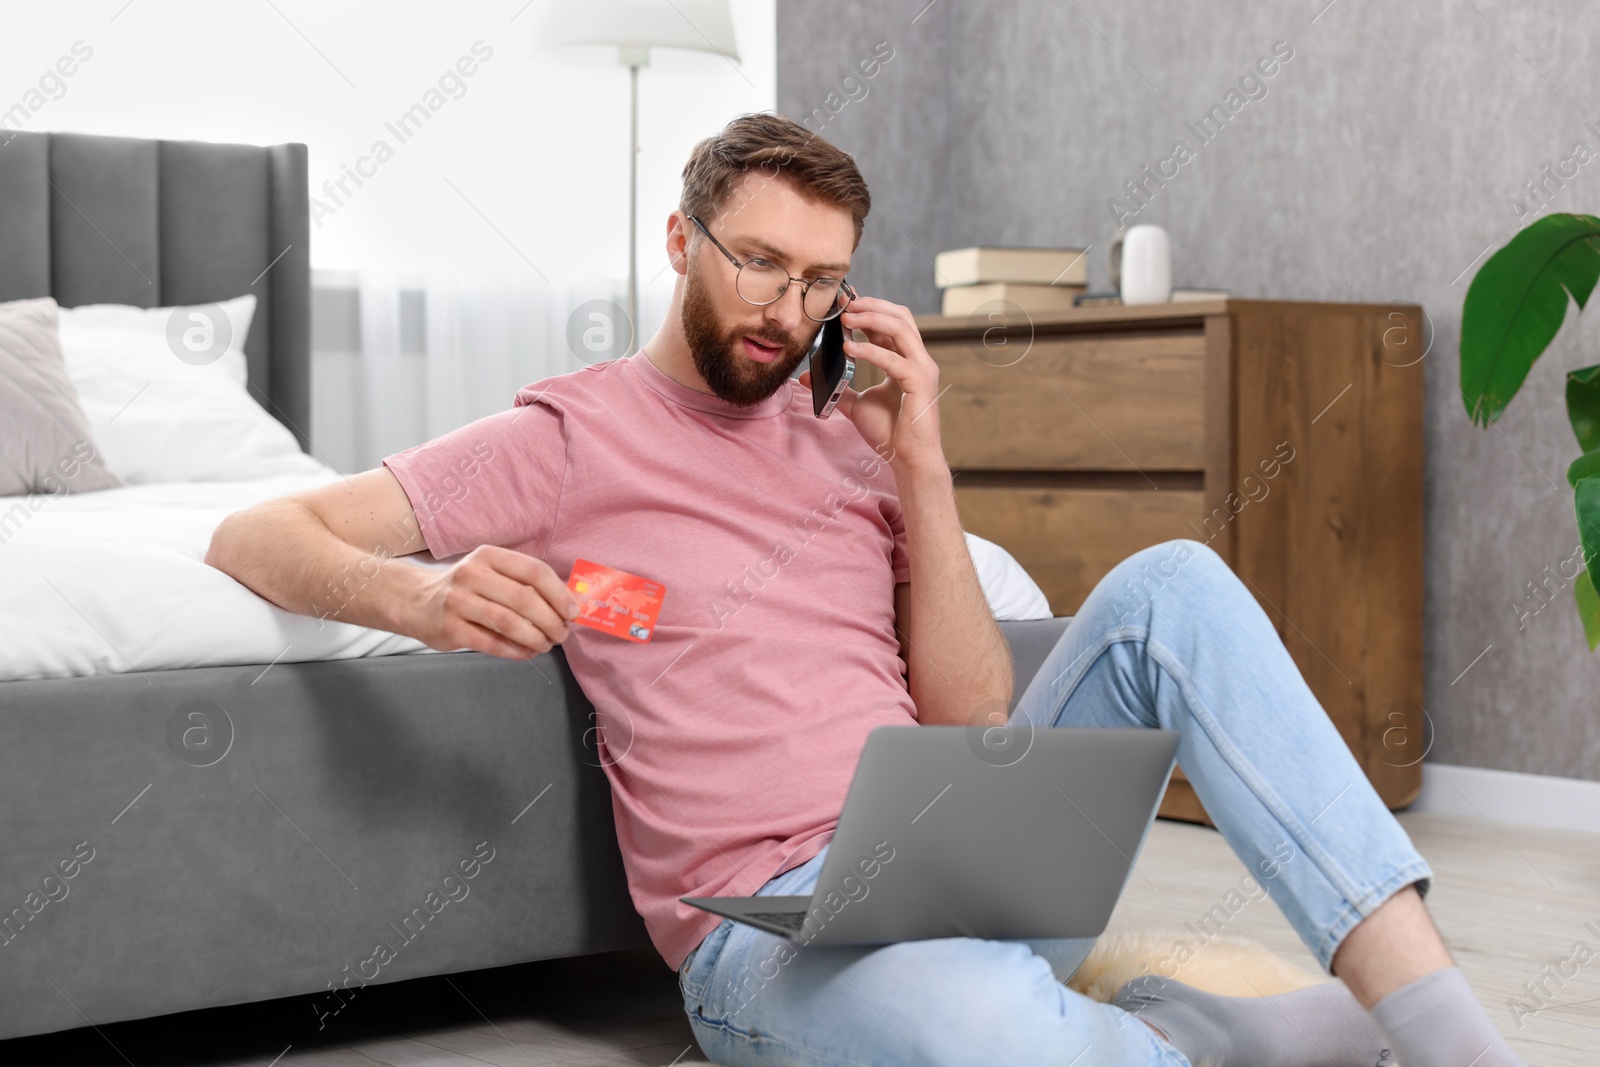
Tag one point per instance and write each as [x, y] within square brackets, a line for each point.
[731, 737]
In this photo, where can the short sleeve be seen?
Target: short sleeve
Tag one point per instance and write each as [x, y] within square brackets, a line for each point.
[496, 481]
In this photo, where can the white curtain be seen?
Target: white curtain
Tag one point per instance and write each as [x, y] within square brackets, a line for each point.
[434, 352]
[382, 372]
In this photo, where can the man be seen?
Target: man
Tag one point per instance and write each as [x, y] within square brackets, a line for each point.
[818, 585]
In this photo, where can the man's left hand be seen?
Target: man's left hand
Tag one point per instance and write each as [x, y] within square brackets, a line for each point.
[898, 417]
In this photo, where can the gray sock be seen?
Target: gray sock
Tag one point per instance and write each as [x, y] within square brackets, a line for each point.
[1437, 1021]
[1317, 1026]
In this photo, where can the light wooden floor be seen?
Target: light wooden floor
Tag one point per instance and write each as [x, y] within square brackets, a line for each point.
[1509, 900]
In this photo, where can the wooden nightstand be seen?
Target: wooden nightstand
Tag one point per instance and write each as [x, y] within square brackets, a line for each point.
[1081, 437]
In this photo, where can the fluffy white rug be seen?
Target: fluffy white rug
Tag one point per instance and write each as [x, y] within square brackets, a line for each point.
[1228, 966]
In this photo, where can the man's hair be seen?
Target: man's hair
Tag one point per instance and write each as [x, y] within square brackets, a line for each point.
[771, 145]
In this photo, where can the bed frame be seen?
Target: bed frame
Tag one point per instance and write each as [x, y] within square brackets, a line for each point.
[240, 833]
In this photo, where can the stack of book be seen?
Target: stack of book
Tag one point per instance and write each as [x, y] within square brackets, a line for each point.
[1178, 296]
[1036, 280]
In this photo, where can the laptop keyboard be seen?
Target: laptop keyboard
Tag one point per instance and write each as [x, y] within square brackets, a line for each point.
[793, 920]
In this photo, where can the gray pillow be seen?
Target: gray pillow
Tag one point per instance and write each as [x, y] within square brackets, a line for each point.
[45, 446]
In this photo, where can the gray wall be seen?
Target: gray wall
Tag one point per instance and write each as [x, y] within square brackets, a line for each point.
[1386, 153]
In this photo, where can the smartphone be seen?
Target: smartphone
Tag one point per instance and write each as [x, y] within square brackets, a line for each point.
[831, 369]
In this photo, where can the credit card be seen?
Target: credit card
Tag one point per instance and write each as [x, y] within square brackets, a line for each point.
[615, 602]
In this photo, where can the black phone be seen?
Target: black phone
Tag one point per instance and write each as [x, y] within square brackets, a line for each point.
[831, 369]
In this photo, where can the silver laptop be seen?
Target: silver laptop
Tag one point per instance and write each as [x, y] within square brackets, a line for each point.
[956, 831]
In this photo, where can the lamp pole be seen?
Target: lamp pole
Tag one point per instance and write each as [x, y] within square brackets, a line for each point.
[634, 58]
[634, 27]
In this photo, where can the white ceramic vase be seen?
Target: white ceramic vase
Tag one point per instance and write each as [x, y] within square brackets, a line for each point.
[1146, 265]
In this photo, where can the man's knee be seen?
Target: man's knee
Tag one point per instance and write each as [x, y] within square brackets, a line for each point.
[1182, 551]
[1163, 569]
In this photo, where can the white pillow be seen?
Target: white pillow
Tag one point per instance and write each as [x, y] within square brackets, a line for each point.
[164, 392]
[1011, 593]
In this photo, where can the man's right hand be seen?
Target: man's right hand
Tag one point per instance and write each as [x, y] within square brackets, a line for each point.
[302, 551]
[495, 600]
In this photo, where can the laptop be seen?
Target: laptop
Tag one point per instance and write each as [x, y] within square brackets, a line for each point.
[963, 831]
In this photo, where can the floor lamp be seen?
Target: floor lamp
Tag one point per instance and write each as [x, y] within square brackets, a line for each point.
[633, 27]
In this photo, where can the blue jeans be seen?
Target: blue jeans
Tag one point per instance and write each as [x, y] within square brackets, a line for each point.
[1169, 638]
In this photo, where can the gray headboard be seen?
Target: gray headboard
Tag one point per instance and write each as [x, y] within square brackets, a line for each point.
[117, 220]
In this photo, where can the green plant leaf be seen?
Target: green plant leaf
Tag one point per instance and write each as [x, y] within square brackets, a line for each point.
[1588, 608]
[1586, 500]
[1583, 405]
[1516, 303]
[1585, 466]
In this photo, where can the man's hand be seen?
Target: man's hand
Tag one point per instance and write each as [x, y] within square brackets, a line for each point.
[494, 600]
[898, 417]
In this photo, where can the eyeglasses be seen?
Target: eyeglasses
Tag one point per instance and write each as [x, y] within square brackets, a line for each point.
[762, 282]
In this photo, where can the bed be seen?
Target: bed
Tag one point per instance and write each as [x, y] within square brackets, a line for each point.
[241, 824]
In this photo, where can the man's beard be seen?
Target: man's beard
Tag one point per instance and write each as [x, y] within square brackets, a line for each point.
[719, 354]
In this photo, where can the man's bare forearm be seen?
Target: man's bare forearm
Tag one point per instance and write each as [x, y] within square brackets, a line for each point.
[284, 552]
[959, 663]
[331, 552]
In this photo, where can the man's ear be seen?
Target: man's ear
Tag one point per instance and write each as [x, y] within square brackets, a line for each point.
[678, 232]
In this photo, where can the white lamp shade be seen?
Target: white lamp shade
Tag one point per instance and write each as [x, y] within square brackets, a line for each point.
[635, 26]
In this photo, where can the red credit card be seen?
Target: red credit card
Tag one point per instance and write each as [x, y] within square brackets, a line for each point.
[616, 602]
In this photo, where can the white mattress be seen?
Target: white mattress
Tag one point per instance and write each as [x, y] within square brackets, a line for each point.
[115, 582]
